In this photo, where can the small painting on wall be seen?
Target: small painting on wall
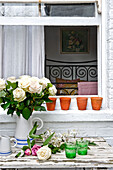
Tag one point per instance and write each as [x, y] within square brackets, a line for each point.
[74, 40]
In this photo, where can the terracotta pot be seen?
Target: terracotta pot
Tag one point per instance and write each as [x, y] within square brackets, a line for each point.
[51, 106]
[65, 103]
[82, 103]
[96, 102]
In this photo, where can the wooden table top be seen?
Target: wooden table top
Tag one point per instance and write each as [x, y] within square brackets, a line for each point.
[100, 156]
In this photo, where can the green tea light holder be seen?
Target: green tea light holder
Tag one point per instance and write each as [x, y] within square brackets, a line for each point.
[70, 150]
[82, 147]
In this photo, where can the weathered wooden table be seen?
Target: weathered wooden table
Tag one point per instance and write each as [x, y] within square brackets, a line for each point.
[100, 156]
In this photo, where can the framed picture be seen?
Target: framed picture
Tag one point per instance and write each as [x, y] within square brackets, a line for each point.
[74, 40]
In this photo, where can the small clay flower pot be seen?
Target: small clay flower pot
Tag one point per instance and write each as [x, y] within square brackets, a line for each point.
[51, 106]
[82, 103]
[65, 103]
[96, 102]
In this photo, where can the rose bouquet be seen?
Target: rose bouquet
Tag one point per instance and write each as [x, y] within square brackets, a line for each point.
[25, 94]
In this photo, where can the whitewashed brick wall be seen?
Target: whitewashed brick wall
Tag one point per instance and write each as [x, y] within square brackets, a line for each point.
[110, 51]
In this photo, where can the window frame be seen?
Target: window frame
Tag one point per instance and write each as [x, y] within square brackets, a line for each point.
[98, 20]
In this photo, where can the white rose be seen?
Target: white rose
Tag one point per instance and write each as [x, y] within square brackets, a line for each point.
[12, 79]
[19, 94]
[44, 81]
[34, 79]
[2, 84]
[44, 153]
[52, 90]
[24, 83]
[24, 76]
[34, 86]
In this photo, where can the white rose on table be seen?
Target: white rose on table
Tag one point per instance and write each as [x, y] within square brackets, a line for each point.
[34, 86]
[24, 83]
[2, 84]
[52, 90]
[12, 79]
[24, 77]
[44, 81]
[44, 153]
[19, 94]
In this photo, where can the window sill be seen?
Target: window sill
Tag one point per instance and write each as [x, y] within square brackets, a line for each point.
[67, 116]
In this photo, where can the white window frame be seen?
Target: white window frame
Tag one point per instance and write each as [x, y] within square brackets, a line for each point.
[98, 21]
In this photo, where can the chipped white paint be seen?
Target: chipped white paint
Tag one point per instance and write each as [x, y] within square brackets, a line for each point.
[98, 156]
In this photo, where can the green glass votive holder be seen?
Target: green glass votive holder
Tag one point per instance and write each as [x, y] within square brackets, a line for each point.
[82, 147]
[70, 150]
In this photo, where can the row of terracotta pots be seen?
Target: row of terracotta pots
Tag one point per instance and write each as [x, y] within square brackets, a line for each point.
[96, 103]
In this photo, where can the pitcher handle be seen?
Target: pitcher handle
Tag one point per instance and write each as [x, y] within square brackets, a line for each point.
[13, 139]
[35, 119]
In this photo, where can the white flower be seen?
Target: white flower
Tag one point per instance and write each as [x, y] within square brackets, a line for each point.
[24, 83]
[2, 84]
[34, 86]
[19, 94]
[12, 79]
[24, 76]
[52, 90]
[44, 81]
[34, 79]
[44, 153]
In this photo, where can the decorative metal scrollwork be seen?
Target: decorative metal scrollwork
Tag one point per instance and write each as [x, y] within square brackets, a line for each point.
[92, 72]
[81, 72]
[85, 72]
[67, 72]
[55, 71]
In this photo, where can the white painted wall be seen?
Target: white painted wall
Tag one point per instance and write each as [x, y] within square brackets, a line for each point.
[52, 37]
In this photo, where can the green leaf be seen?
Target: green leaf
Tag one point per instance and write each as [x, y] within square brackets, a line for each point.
[2, 93]
[91, 143]
[18, 112]
[20, 106]
[25, 147]
[29, 143]
[28, 102]
[48, 100]
[10, 111]
[39, 108]
[48, 139]
[18, 155]
[32, 143]
[43, 108]
[62, 147]
[1, 100]
[49, 85]
[33, 130]
[5, 106]
[26, 113]
[14, 85]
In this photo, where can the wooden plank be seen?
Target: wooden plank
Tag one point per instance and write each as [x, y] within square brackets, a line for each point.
[98, 156]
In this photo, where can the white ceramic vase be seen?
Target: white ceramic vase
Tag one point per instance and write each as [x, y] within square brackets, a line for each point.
[23, 128]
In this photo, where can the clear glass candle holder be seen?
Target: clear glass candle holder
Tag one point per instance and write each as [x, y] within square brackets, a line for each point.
[70, 150]
[82, 147]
